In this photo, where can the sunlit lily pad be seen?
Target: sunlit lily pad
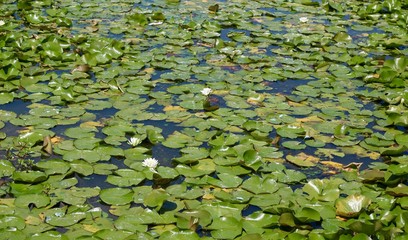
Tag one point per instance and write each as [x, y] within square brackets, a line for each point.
[302, 160]
[29, 176]
[64, 220]
[352, 205]
[6, 97]
[324, 190]
[6, 168]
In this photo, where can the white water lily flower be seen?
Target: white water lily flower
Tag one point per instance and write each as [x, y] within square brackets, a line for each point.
[134, 141]
[151, 163]
[206, 91]
[2, 22]
[303, 19]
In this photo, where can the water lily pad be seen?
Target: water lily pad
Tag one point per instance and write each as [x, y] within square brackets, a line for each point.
[6, 97]
[302, 160]
[6, 168]
[225, 227]
[86, 143]
[290, 131]
[399, 190]
[295, 145]
[202, 217]
[258, 185]
[39, 200]
[352, 205]
[252, 159]
[64, 220]
[255, 222]
[116, 196]
[323, 190]
[225, 180]
[29, 176]
[307, 215]
[156, 198]
[78, 132]
[179, 235]
[126, 178]
[12, 221]
[53, 166]
[81, 167]
[192, 154]
[204, 166]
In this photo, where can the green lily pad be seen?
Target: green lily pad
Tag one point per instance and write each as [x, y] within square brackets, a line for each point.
[116, 196]
[225, 227]
[179, 235]
[352, 205]
[156, 198]
[86, 143]
[295, 145]
[29, 176]
[39, 200]
[125, 178]
[12, 221]
[258, 185]
[257, 221]
[6, 168]
[302, 160]
[236, 196]
[81, 167]
[53, 166]
[290, 131]
[203, 167]
[399, 190]
[323, 190]
[225, 180]
[6, 97]
[202, 217]
[307, 214]
[192, 154]
[252, 159]
[64, 220]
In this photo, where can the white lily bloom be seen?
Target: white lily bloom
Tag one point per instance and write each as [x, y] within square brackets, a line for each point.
[2, 22]
[134, 141]
[151, 163]
[303, 19]
[206, 91]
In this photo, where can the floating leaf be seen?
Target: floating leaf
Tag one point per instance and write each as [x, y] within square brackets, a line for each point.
[302, 160]
[29, 176]
[225, 227]
[64, 220]
[6, 97]
[323, 190]
[116, 196]
[39, 200]
[156, 198]
[295, 145]
[126, 178]
[225, 180]
[252, 159]
[307, 214]
[352, 205]
[6, 168]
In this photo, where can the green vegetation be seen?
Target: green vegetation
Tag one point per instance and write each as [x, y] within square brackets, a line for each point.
[168, 119]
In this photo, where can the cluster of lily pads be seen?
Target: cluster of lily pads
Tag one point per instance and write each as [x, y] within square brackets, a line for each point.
[172, 119]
